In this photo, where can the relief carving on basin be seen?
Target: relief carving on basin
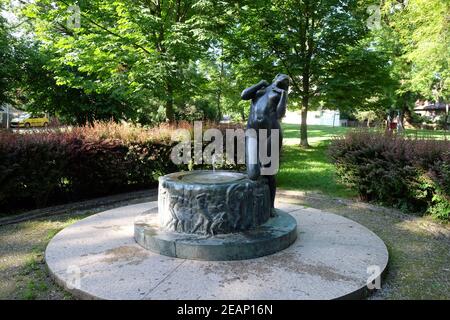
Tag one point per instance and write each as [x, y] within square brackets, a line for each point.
[212, 202]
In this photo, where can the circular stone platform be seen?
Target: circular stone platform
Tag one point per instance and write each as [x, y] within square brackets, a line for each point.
[333, 257]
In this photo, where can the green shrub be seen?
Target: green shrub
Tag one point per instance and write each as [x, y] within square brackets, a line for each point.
[409, 174]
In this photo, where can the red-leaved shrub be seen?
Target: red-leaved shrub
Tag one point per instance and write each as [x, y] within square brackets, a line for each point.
[48, 167]
[412, 174]
[56, 166]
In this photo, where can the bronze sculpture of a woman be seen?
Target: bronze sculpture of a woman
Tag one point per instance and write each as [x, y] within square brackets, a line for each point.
[268, 106]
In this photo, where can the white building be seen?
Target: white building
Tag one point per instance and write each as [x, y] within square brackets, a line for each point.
[322, 117]
[432, 110]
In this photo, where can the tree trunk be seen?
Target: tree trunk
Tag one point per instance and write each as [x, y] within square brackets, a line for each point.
[219, 109]
[219, 91]
[400, 124]
[304, 128]
[170, 114]
[305, 104]
[307, 45]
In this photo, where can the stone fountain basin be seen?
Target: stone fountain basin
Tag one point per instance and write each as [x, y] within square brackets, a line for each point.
[207, 177]
[214, 215]
[212, 202]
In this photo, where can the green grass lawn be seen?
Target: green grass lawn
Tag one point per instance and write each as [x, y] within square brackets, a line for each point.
[291, 133]
[428, 134]
[310, 170]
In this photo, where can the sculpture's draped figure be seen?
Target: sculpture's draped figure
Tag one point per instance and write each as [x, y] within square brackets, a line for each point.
[268, 106]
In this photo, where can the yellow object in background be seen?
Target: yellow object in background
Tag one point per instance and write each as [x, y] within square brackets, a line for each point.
[27, 121]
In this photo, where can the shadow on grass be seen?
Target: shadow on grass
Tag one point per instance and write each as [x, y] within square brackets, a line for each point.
[310, 170]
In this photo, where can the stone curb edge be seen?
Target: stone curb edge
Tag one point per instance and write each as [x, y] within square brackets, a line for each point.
[105, 202]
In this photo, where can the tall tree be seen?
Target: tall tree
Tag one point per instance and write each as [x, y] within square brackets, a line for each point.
[422, 30]
[7, 58]
[311, 41]
[414, 35]
[127, 49]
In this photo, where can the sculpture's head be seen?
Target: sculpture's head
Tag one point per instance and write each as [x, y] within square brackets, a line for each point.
[264, 112]
[282, 81]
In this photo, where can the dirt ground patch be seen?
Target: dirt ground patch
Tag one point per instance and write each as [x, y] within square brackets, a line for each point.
[23, 272]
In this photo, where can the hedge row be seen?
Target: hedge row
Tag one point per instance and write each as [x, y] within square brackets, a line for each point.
[410, 174]
[38, 169]
[52, 167]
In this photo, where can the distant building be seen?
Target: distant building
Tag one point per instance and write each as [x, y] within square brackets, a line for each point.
[431, 110]
[322, 117]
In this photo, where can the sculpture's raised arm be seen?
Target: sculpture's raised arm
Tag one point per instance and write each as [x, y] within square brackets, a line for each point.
[281, 108]
[250, 92]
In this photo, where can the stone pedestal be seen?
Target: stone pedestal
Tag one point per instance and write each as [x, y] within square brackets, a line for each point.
[214, 215]
[211, 203]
